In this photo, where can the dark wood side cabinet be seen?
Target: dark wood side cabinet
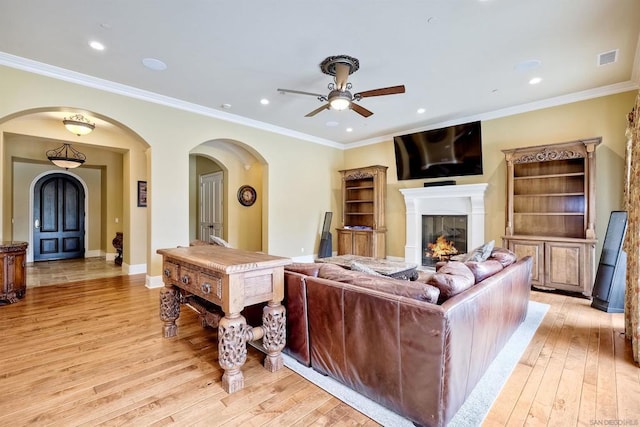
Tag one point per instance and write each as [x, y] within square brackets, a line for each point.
[13, 281]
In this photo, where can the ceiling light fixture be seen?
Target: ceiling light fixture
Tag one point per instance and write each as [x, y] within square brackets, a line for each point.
[340, 99]
[535, 81]
[78, 124]
[66, 157]
[96, 45]
[264, 101]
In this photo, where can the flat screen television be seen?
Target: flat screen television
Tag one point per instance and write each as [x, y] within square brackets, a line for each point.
[446, 152]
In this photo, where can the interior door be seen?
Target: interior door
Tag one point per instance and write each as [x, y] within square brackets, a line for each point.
[58, 223]
[211, 219]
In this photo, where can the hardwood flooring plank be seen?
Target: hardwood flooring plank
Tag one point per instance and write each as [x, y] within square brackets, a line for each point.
[606, 400]
[92, 353]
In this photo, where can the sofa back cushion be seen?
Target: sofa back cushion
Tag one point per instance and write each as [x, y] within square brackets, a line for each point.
[415, 290]
[451, 279]
[306, 268]
[484, 269]
[504, 256]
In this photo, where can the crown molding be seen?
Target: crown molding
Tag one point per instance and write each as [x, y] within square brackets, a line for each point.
[131, 92]
[58, 73]
[510, 111]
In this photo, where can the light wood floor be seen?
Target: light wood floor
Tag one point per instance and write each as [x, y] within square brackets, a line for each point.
[90, 352]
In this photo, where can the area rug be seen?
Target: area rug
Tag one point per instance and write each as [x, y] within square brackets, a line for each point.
[476, 407]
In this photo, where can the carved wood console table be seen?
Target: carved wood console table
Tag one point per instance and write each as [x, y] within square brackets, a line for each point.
[231, 279]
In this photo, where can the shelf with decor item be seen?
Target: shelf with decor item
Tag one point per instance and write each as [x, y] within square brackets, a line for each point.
[363, 230]
[551, 212]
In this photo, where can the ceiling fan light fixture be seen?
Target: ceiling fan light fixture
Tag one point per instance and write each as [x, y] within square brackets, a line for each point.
[340, 100]
[78, 124]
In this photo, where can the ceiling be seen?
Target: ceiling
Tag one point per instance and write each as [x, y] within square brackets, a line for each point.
[460, 60]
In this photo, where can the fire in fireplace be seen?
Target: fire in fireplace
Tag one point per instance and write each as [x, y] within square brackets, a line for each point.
[442, 237]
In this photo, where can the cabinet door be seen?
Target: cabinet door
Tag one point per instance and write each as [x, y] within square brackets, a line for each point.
[535, 250]
[345, 242]
[565, 261]
[362, 243]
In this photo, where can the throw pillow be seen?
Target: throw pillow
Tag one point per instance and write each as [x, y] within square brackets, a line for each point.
[481, 253]
[219, 241]
[452, 279]
[356, 266]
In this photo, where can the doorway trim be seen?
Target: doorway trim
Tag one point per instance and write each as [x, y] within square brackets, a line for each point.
[32, 195]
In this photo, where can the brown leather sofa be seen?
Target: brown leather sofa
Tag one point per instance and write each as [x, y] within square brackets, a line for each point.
[417, 358]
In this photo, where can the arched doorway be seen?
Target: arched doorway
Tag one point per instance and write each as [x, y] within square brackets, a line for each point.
[58, 218]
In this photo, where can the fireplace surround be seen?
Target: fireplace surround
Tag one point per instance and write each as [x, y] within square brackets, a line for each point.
[451, 200]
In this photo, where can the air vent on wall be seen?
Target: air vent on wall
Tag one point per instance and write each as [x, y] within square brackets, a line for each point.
[608, 57]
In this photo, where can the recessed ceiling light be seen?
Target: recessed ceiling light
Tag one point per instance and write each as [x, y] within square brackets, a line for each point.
[264, 101]
[421, 110]
[154, 64]
[535, 81]
[349, 129]
[226, 106]
[96, 45]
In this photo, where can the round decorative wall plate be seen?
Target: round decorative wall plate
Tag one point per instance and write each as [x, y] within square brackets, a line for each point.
[247, 195]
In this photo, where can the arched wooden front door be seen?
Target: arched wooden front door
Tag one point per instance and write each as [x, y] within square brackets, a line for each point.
[58, 218]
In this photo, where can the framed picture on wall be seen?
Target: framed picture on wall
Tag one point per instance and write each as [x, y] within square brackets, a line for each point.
[142, 194]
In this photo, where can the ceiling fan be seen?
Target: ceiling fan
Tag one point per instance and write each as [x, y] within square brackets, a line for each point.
[340, 97]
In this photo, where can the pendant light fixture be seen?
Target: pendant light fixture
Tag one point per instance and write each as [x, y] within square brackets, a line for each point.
[78, 124]
[66, 157]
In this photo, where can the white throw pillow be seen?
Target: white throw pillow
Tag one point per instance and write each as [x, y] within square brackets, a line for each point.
[219, 241]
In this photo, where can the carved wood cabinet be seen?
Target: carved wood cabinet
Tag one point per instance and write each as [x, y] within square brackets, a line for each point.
[551, 212]
[363, 230]
[13, 280]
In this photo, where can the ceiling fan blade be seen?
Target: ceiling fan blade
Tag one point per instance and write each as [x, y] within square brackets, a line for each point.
[360, 110]
[300, 92]
[317, 110]
[392, 90]
[342, 75]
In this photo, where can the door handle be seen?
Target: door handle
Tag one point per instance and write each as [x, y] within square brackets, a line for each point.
[36, 223]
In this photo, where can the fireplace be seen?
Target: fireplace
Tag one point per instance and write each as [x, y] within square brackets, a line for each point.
[446, 204]
[442, 237]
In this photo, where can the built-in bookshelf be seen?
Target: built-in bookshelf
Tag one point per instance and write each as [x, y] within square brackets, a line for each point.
[551, 212]
[363, 200]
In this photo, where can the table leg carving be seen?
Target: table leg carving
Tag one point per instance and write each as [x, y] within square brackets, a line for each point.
[169, 310]
[275, 333]
[232, 351]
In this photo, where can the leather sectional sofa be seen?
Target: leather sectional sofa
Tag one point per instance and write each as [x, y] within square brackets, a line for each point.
[383, 337]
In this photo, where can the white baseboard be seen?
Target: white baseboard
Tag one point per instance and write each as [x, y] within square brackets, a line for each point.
[135, 268]
[304, 258]
[93, 253]
[154, 282]
[110, 256]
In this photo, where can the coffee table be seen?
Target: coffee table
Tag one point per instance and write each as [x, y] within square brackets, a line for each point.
[395, 269]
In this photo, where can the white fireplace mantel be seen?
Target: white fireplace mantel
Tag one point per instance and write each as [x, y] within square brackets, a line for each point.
[465, 199]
